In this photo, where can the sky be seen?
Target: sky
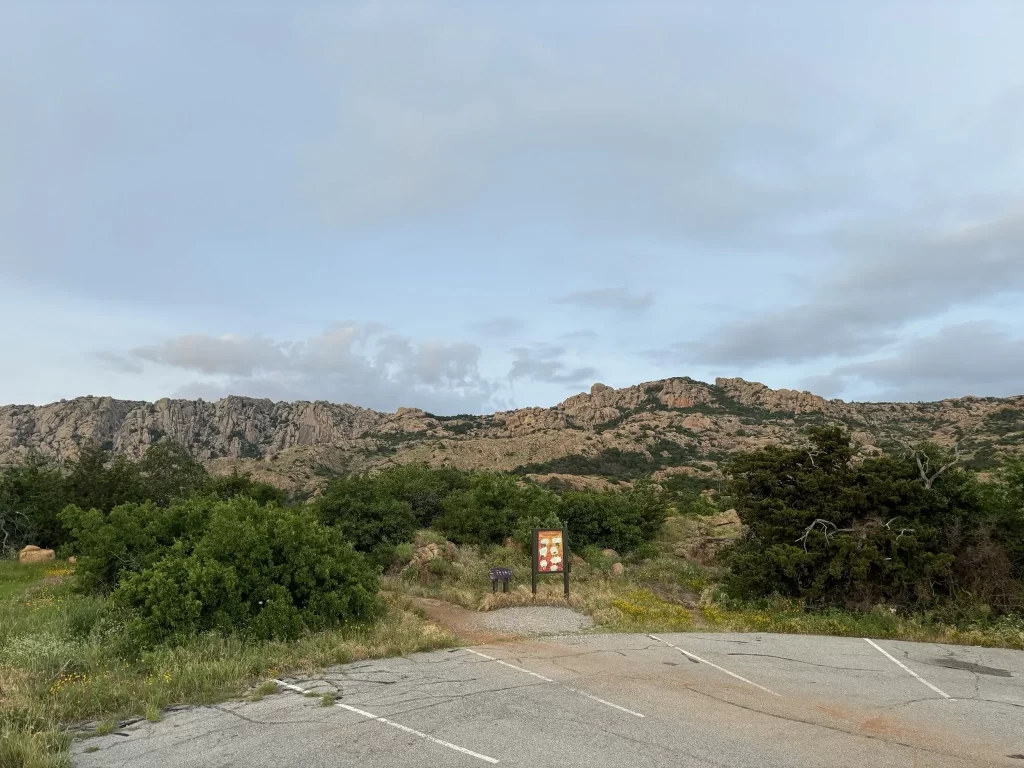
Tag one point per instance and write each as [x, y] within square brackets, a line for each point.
[469, 207]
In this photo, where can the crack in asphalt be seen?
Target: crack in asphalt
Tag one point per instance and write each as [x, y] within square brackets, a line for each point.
[701, 759]
[305, 720]
[811, 663]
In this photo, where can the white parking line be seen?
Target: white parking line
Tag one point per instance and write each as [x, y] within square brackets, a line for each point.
[712, 664]
[549, 680]
[899, 663]
[513, 666]
[399, 726]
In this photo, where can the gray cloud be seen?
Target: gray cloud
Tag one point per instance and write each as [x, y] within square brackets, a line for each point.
[583, 335]
[459, 163]
[970, 358]
[541, 351]
[119, 363]
[619, 299]
[890, 278]
[361, 364]
[230, 355]
[622, 152]
[505, 325]
[541, 363]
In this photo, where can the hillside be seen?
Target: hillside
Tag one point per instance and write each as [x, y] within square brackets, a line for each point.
[657, 429]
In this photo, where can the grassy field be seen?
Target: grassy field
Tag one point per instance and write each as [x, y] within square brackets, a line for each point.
[65, 665]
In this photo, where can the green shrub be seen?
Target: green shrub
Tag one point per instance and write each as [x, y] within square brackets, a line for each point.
[130, 538]
[701, 506]
[168, 471]
[228, 486]
[644, 552]
[263, 571]
[612, 463]
[829, 531]
[523, 532]
[487, 512]
[422, 488]
[366, 514]
[613, 520]
[404, 554]
[31, 498]
[34, 492]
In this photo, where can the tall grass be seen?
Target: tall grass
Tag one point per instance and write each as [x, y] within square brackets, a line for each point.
[788, 616]
[65, 663]
[617, 603]
[664, 593]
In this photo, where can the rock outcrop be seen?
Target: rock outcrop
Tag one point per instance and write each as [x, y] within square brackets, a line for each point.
[33, 554]
[676, 425]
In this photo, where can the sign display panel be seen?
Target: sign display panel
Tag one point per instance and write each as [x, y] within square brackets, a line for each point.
[550, 551]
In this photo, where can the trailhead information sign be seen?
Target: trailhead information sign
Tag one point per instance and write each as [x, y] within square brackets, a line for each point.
[550, 555]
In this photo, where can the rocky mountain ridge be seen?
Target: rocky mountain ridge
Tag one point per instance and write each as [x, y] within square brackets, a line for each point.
[665, 427]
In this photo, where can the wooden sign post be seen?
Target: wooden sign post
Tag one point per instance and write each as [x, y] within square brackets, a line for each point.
[550, 555]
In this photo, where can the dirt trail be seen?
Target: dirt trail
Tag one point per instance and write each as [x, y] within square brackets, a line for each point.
[461, 622]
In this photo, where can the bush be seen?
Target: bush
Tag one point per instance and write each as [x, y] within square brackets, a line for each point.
[489, 509]
[31, 498]
[611, 463]
[263, 571]
[366, 515]
[525, 525]
[130, 538]
[613, 520]
[96, 480]
[168, 471]
[33, 493]
[822, 528]
[422, 488]
[228, 486]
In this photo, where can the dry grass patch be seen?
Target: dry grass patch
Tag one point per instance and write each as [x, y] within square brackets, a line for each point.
[616, 603]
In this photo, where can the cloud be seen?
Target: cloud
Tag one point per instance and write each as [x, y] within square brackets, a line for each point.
[889, 278]
[609, 298]
[465, 161]
[583, 335]
[541, 363]
[964, 359]
[119, 363]
[723, 153]
[230, 355]
[361, 364]
[505, 325]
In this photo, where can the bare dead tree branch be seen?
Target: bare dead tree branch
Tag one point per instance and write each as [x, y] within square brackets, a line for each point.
[902, 531]
[924, 467]
[13, 523]
[827, 527]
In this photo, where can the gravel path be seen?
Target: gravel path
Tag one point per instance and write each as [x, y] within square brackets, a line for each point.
[535, 620]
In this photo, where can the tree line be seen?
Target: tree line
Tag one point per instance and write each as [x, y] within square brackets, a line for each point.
[33, 492]
[180, 551]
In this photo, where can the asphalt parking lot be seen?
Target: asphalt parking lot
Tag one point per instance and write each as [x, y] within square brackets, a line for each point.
[615, 700]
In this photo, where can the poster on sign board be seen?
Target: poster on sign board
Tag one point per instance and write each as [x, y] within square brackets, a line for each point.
[550, 551]
[550, 555]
